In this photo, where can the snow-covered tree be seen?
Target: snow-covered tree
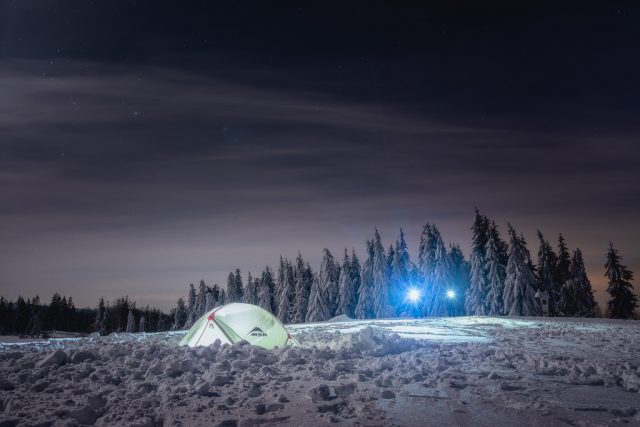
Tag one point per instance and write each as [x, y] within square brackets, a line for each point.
[231, 284]
[301, 298]
[381, 305]
[576, 295]
[201, 302]
[328, 277]
[356, 271]
[563, 266]
[266, 290]
[211, 302]
[442, 280]
[234, 287]
[251, 291]
[497, 271]
[280, 283]
[364, 308]
[239, 288]
[180, 316]
[519, 287]
[142, 325]
[460, 275]
[389, 257]
[286, 294]
[623, 302]
[318, 309]
[100, 324]
[401, 269]
[131, 322]
[476, 298]
[426, 266]
[161, 323]
[191, 307]
[346, 293]
[547, 273]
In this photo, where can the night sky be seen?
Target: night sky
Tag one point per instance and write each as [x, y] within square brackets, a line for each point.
[145, 145]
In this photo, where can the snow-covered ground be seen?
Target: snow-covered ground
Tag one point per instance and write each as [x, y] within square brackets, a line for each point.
[452, 371]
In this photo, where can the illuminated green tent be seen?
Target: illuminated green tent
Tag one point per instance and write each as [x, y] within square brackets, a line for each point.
[232, 323]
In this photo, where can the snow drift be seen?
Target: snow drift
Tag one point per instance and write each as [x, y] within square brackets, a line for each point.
[454, 371]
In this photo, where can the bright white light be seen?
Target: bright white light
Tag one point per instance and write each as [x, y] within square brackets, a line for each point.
[413, 294]
[451, 294]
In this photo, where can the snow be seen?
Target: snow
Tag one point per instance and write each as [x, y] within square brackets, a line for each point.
[449, 371]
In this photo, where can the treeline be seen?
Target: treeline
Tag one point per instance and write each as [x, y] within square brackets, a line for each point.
[31, 317]
[499, 278]
[122, 315]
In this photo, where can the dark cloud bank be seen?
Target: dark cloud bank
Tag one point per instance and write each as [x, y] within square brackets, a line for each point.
[142, 147]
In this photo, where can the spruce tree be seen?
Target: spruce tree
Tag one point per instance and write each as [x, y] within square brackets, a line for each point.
[460, 275]
[329, 280]
[161, 324]
[390, 256]
[302, 291]
[232, 294]
[286, 296]
[563, 266]
[23, 311]
[211, 302]
[346, 293]
[623, 302]
[519, 287]
[250, 291]
[180, 316]
[400, 279]
[356, 271]
[291, 284]
[280, 284]
[442, 279]
[54, 311]
[318, 309]
[142, 325]
[496, 270]
[35, 322]
[381, 304]
[201, 302]
[266, 290]
[131, 322]
[476, 299]
[426, 260]
[191, 307]
[239, 285]
[100, 324]
[547, 273]
[4, 315]
[576, 295]
[364, 308]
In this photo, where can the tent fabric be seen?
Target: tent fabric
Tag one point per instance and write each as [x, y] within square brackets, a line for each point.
[232, 323]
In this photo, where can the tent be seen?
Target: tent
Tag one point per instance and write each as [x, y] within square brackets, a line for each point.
[232, 323]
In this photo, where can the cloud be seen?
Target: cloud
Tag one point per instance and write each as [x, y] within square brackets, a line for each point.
[116, 161]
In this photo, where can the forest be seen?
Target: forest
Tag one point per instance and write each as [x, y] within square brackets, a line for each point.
[499, 278]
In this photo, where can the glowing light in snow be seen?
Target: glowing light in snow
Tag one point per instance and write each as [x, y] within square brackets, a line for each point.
[451, 294]
[413, 294]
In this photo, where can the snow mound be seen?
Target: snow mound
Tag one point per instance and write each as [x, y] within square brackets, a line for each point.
[526, 372]
[366, 342]
[341, 318]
